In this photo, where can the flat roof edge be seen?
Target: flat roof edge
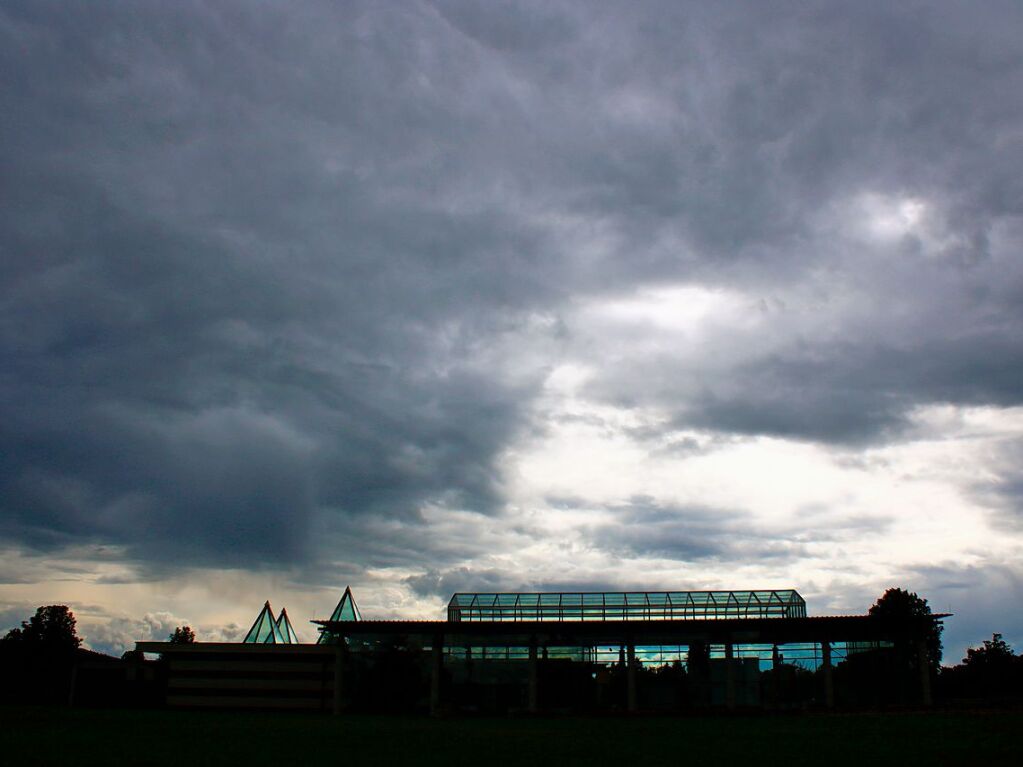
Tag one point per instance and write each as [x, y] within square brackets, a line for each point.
[201, 647]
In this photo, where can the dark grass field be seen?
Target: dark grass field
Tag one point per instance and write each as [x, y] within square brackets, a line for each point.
[46, 736]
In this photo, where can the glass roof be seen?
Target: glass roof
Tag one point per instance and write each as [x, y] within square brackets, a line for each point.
[631, 605]
[265, 629]
[346, 610]
[286, 629]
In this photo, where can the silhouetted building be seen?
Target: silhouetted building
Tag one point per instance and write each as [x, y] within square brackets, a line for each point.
[566, 651]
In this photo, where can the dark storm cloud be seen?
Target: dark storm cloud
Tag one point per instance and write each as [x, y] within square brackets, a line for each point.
[210, 333]
[268, 268]
[444, 583]
[437, 583]
[863, 391]
[646, 527]
[428, 543]
[804, 115]
[643, 527]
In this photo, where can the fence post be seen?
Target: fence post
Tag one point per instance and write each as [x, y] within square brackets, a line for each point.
[829, 682]
[730, 676]
[630, 679]
[339, 677]
[533, 702]
[437, 668]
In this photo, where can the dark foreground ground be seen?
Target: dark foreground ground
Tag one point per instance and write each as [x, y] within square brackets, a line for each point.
[81, 737]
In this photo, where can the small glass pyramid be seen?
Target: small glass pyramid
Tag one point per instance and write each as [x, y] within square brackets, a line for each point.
[265, 630]
[285, 627]
[346, 610]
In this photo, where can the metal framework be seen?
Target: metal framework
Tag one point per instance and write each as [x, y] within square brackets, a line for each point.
[621, 606]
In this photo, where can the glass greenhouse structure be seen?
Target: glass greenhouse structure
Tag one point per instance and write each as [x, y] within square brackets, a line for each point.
[596, 651]
[622, 605]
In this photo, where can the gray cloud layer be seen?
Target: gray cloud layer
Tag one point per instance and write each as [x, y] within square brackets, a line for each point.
[274, 273]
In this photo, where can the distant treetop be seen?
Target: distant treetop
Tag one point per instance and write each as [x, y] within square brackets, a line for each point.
[182, 635]
[995, 653]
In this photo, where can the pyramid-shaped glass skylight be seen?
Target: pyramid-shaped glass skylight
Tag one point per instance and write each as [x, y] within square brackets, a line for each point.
[285, 627]
[346, 610]
[265, 630]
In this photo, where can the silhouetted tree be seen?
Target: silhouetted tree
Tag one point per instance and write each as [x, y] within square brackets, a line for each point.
[182, 635]
[992, 671]
[897, 605]
[51, 628]
[36, 660]
[995, 653]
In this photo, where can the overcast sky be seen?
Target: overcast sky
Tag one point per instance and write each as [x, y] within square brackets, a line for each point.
[435, 296]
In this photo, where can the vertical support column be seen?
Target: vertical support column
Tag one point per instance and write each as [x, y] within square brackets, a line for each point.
[630, 679]
[436, 670]
[829, 681]
[923, 661]
[775, 677]
[698, 668]
[339, 678]
[533, 705]
[730, 676]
